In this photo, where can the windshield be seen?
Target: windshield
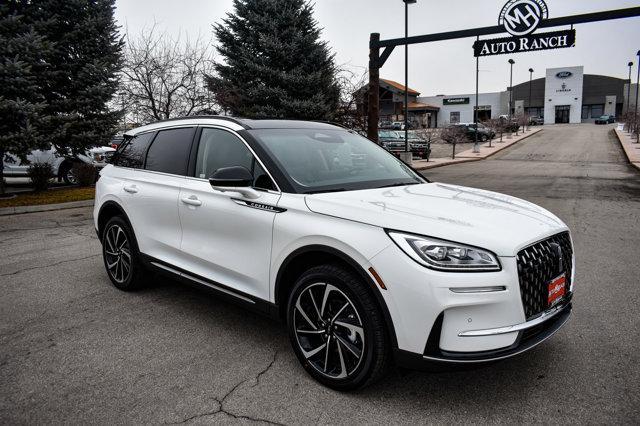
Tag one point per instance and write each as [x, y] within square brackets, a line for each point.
[332, 160]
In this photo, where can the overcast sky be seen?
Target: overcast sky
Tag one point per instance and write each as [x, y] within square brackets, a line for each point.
[434, 68]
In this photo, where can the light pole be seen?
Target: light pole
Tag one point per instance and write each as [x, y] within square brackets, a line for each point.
[630, 65]
[407, 148]
[530, 79]
[476, 146]
[511, 62]
[636, 110]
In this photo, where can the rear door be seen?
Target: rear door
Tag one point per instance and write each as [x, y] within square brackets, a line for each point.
[152, 188]
[227, 238]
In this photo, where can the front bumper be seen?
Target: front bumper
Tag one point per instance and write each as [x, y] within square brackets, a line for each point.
[460, 317]
[529, 337]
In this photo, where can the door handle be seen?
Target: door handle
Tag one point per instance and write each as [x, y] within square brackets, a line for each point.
[192, 201]
[131, 189]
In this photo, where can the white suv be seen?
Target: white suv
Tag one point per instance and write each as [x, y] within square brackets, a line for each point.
[365, 260]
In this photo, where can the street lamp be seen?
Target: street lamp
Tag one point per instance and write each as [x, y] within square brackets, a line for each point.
[530, 79]
[636, 110]
[511, 61]
[407, 148]
[630, 65]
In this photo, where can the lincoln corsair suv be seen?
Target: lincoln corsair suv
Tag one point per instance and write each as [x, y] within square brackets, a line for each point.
[366, 261]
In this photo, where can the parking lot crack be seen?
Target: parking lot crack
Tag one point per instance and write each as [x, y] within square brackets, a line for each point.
[19, 271]
[221, 402]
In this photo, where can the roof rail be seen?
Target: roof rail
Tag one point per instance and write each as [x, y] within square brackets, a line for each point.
[218, 117]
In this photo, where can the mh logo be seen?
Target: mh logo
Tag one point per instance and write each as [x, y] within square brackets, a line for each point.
[522, 17]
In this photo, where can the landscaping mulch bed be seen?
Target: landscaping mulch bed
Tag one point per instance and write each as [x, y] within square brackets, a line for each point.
[51, 196]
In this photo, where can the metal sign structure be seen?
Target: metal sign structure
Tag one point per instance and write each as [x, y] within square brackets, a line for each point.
[519, 18]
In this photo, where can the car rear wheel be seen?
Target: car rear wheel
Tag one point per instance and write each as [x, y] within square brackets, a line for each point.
[336, 328]
[67, 174]
[121, 259]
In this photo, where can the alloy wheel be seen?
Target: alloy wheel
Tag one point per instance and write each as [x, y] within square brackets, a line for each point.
[329, 330]
[117, 254]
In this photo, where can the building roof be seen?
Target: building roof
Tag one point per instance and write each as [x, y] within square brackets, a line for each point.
[420, 105]
[399, 86]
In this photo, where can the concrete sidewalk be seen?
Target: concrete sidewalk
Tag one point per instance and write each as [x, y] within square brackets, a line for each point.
[469, 155]
[630, 147]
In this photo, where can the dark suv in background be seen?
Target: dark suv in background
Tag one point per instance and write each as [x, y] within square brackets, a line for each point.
[484, 133]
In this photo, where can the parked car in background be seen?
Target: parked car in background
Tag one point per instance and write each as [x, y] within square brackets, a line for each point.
[536, 121]
[509, 124]
[606, 119]
[367, 262]
[484, 133]
[62, 165]
[393, 141]
[385, 125]
[116, 141]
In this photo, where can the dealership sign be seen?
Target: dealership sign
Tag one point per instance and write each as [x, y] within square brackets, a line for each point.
[455, 101]
[521, 18]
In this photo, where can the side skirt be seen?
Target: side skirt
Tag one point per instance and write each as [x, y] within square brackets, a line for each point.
[225, 292]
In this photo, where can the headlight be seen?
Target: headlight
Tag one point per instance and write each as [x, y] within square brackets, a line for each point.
[445, 255]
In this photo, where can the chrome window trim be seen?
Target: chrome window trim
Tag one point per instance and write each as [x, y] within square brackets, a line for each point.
[236, 134]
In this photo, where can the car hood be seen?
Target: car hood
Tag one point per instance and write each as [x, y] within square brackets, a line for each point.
[497, 222]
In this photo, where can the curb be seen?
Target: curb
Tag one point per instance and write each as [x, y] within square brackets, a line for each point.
[627, 147]
[6, 211]
[460, 160]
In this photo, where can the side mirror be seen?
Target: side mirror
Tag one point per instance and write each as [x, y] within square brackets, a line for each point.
[234, 179]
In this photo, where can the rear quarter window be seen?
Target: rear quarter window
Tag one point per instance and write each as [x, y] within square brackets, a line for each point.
[132, 152]
[169, 152]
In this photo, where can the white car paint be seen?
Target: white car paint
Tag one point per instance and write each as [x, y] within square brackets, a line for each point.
[183, 222]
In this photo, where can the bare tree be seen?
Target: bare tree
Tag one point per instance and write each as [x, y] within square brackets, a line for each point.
[163, 77]
[453, 135]
[351, 112]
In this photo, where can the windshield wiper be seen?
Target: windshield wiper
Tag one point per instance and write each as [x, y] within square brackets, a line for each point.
[399, 184]
[323, 191]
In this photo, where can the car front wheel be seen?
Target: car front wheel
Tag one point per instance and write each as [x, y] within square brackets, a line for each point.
[336, 328]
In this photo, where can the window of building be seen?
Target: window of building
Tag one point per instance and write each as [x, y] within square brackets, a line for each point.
[585, 112]
[454, 117]
[132, 153]
[169, 152]
[597, 111]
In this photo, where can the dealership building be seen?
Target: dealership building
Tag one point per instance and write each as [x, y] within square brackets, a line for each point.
[564, 95]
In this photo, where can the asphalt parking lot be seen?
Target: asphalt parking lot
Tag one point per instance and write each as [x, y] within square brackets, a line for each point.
[74, 349]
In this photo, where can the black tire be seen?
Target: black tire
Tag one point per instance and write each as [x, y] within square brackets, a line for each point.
[361, 350]
[66, 173]
[483, 138]
[119, 247]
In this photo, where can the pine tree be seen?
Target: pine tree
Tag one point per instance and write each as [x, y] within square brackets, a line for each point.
[58, 70]
[21, 99]
[275, 66]
[79, 73]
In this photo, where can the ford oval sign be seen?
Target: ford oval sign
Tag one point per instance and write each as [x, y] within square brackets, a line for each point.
[564, 74]
[522, 17]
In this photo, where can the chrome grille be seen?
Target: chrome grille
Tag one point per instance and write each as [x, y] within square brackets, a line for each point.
[538, 264]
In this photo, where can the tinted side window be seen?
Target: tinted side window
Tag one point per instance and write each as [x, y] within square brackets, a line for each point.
[132, 154]
[219, 148]
[169, 152]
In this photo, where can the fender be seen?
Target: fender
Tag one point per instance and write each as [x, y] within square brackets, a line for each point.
[355, 266]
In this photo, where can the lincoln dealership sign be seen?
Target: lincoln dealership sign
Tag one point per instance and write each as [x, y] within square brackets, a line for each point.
[521, 18]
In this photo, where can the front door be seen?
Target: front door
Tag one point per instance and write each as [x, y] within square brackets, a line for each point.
[226, 238]
[562, 113]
